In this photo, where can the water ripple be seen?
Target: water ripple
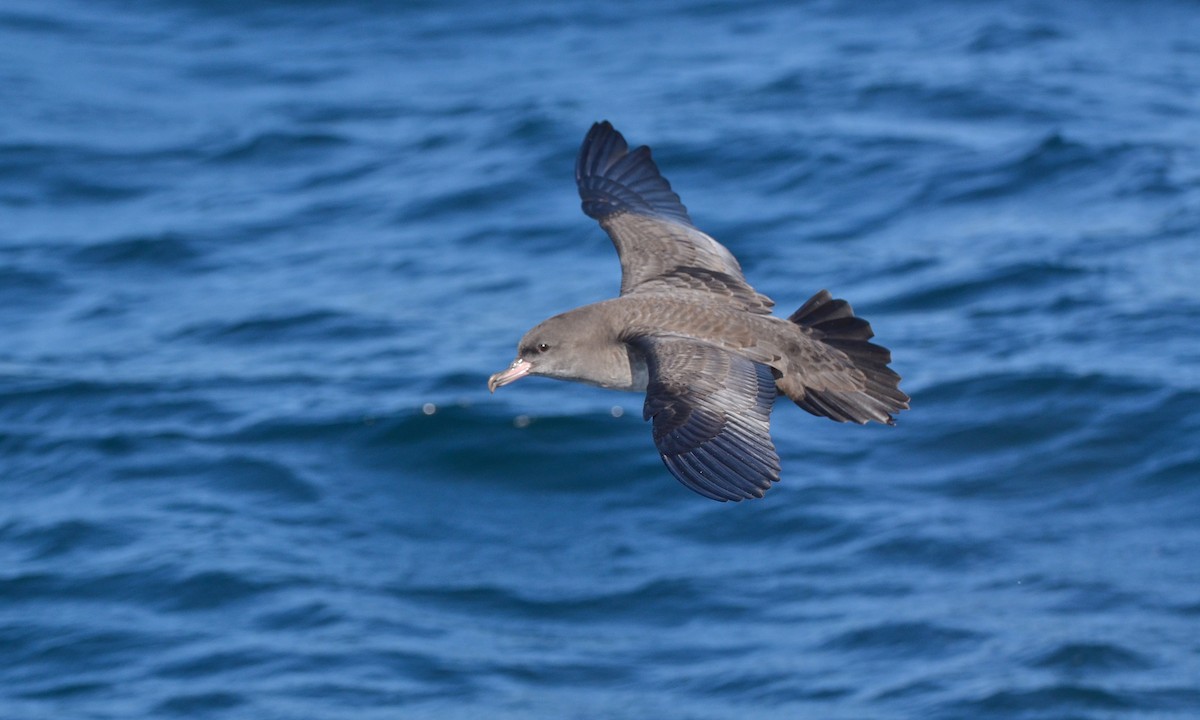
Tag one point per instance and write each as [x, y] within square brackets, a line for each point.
[258, 260]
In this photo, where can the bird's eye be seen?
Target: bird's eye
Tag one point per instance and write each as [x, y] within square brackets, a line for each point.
[542, 347]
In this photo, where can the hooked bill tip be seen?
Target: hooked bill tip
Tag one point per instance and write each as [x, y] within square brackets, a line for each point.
[516, 371]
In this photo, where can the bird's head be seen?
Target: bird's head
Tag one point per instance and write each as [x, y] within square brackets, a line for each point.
[546, 350]
[571, 346]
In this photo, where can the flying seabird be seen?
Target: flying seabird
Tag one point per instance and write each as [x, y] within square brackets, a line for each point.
[690, 332]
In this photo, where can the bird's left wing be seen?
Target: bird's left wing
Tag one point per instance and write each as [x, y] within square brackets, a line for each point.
[711, 412]
[659, 247]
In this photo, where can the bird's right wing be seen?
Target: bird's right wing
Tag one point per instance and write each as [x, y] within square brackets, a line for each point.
[711, 412]
[659, 247]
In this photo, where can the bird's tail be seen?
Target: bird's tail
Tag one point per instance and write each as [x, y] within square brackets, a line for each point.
[869, 389]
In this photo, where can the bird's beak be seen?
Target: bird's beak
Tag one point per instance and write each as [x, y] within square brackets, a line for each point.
[516, 371]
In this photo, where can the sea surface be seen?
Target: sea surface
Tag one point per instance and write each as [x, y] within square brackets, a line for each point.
[258, 259]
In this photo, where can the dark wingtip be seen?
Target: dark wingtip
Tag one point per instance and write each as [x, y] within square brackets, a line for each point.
[612, 178]
[602, 126]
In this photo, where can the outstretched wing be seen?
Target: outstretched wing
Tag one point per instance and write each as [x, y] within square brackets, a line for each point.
[659, 247]
[712, 413]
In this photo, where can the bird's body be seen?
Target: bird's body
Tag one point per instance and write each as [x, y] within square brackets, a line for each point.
[691, 333]
[784, 346]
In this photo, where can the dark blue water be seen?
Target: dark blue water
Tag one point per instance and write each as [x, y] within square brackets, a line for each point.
[257, 261]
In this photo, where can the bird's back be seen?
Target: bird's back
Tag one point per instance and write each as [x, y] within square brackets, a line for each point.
[821, 356]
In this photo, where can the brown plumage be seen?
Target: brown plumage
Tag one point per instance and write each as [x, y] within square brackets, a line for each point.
[691, 333]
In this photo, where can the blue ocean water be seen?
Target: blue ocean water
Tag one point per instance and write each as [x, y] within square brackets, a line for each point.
[257, 260]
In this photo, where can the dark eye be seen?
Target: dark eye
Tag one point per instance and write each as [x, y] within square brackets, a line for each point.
[542, 347]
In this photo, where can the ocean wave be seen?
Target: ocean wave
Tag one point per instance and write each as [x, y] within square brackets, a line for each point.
[48, 540]
[1017, 279]
[1090, 657]
[654, 602]
[905, 639]
[1050, 700]
[167, 250]
[277, 147]
[36, 174]
[1057, 163]
[315, 324]
[26, 286]
[1007, 36]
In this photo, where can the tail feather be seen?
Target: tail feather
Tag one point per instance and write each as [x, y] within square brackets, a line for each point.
[821, 308]
[847, 328]
[875, 391]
